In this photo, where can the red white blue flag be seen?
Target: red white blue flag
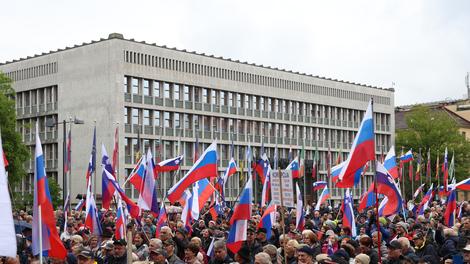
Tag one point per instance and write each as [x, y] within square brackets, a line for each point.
[268, 219]
[348, 213]
[299, 212]
[390, 163]
[362, 150]
[205, 167]
[148, 198]
[43, 212]
[107, 187]
[387, 186]
[240, 217]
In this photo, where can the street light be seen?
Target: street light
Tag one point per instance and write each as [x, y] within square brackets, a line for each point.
[51, 122]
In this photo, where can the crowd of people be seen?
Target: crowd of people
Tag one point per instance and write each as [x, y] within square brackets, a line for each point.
[405, 238]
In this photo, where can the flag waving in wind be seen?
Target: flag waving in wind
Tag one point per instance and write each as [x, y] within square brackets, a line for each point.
[240, 217]
[362, 150]
[43, 212]
[148, 192]
[390, 163]
[300, 214]
[7, 229]
[107, 187]
[205, 167]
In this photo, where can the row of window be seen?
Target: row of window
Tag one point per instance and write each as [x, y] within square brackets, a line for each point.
[33, 72]
[231, 99]
[239, 76]
[39, 96]
[166, 119]
[169, 149]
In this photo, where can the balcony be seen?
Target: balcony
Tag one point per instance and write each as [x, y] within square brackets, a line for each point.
[51, 107]
[225, 136]
[225, 109]
[27, 110]
[128, 159]
[127, 128]
[137, 129]
[148, 130]
[19, 111]
[137, 98]
[215, 108]
[257, 113]
[148, 100]
[169, 102]
[127, 97]
[207, 135]
[272, 115]
[158, 101]
[34, 109]
[207, 107]
[233, 110]
[198, 106]
[169, 131]
[249, 112]
[158, 131]
[51, 164]
[188, 105]
[179, 104]
[188, 133]
[241, 111]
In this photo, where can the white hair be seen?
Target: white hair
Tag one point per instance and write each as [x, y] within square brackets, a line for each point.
[263, 258]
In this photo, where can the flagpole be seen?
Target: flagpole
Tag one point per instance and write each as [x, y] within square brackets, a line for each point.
[40, 233]
[379, 235]
[94, 182]
[69, 156]
[282, 211]
[419, 168]
[303, 172]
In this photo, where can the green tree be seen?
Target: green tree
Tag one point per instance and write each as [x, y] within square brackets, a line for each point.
[16, 152]
[434, 130]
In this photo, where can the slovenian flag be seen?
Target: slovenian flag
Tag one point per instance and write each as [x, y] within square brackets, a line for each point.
[362, 150]
[323, 197]
[136, 177]
[386, 186]
[205, 167]
[43, 212]
[240, 217]
[367, 198]
[407, 157]
[463, 185]
[268, 219]
[300, 214]
[348, 213]
[451, 206]
[169, 164]
[319, 185]
[390, 163]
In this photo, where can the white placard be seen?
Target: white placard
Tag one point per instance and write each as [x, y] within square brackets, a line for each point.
[287, 188]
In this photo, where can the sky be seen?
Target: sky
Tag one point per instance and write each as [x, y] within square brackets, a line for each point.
[419, 47]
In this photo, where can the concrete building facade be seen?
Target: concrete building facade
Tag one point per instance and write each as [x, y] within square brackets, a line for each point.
[163, 98]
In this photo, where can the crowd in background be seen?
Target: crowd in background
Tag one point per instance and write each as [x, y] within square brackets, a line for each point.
[410, 239]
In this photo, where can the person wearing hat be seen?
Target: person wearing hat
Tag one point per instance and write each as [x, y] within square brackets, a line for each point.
[394, 253]
[85, 256]
[261, 236]
[243, 255]
[169, 247]
[253, 246]
[158, 256]
[305, 255]
[119, 254]
[362, 259]
[106, 251]
[402, 230]
[466, 254]
[68, 232]
[181, 241]
[424, 249]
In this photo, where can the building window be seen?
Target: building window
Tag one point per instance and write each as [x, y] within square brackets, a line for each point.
[135, 86]
[213, 97]
[146, 117]
[156, 88]
[222, 98]
[167, 118]
[187, 97]
[156, 118]
[197, 95]
[205, 95]
[177, 92]
[177, 120]
[166, 90]
[146, 88]
[135, 116]
[126, 84]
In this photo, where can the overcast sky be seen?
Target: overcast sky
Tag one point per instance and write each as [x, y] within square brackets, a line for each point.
[421, 46]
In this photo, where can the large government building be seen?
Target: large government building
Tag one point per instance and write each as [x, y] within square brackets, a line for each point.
[164, 98]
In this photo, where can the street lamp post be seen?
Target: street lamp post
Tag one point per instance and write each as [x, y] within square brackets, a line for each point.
[50, 122]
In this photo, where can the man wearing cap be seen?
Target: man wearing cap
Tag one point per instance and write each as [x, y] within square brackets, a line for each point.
[261, 236]
[394, 253]
[107, 250]
[120, 254]
[169, 247]
[466, 254]
[68, 232]
[305, 255]
[158, 256]
[85, 257]
[253, 245]
[243, 255]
